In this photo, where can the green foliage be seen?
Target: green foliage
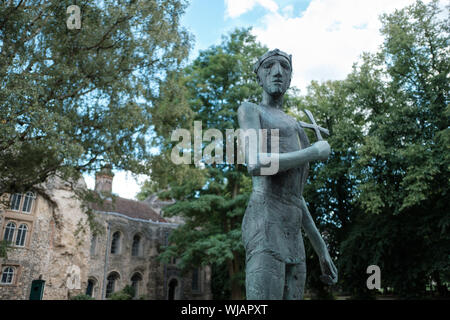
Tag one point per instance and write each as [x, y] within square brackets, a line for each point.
[74, 100]
[381, 198]
[220, 286]
[4, 248]
[405, 155]
[120, 295]
[127, 293]
[402, 163]
[331, 186]
[409, 126]
[81, 297]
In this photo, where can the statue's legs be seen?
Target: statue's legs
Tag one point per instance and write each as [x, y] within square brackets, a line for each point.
[264, 277]
[295, 281]
[268, 278]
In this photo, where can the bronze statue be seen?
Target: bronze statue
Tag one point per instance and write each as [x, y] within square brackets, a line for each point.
[275, 253]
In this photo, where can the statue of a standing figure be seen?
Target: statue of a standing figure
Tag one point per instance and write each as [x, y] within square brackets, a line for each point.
[271, 228]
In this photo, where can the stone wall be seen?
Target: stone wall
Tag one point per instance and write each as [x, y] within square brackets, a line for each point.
[155, 275]
[59, 250]
[56, 250]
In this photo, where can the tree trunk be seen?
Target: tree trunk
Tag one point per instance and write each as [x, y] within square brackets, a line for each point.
[233, 270]
[234, 266]
[236, 291]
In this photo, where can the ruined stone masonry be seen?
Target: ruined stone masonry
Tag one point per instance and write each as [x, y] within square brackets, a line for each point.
[55, 255]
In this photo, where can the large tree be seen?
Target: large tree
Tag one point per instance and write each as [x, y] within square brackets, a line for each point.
[381, 197]
[403, 162]
[74, 100]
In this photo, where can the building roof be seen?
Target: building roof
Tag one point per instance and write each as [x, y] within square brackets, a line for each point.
[131, 208]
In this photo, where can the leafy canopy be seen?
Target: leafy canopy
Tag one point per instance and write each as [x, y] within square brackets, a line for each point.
[72, 101]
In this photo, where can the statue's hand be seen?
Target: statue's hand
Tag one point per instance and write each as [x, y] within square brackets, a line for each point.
[323, 149]
[329, 272]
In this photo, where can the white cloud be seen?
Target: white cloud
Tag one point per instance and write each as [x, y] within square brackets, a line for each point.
[328, 37]
[288, 10]
[235, 8]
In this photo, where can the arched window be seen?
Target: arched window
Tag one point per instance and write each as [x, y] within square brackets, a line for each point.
[111, 284]
[166, 238]
[7, 275]
[136, 281]
[15, 201]
[136, 246]
[93, 245]
[9, 232]
[195, 280]
[21, 235]
[173, 290]
[91, 287]
[115, 243]
[28, 202]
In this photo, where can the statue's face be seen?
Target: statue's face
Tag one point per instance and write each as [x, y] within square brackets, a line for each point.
[274, 75]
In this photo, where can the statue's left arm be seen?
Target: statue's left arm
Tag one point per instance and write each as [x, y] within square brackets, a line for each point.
[329, 271]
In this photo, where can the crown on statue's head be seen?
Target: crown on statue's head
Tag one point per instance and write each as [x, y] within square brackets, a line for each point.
[268, 54]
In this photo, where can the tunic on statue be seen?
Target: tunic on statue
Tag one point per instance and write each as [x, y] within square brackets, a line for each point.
[273, 218]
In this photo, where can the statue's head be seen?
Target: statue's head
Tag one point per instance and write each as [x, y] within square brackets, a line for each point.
[274, 71]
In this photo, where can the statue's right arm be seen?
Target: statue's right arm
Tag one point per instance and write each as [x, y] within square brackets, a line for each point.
[249, 118]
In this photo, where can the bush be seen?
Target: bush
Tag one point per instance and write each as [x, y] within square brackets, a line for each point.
[126, 293]
[81, 297]
[119, 295]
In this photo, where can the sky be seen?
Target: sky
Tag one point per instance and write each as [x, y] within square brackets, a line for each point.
[325, 38]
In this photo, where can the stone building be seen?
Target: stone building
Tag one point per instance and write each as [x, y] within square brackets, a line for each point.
[48, 252]
[54, 254]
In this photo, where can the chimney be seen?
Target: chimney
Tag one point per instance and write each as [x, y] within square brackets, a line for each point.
[103, 180]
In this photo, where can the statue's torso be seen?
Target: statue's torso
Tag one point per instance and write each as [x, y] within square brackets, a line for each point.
[273, 217]
[287, 184]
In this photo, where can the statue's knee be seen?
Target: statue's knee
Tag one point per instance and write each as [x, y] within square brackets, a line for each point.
[264, 281]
